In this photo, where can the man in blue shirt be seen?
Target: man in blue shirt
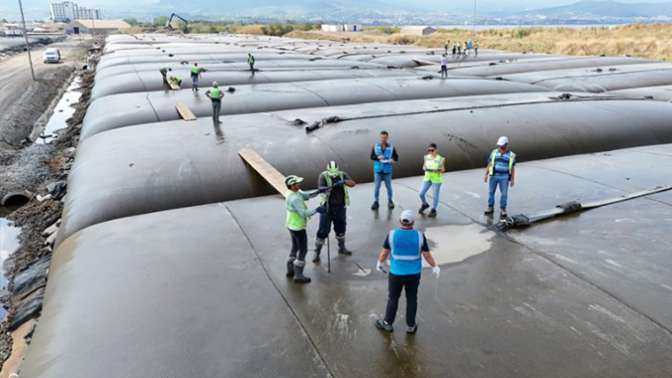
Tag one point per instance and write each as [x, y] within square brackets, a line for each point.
[500, 172]
[383, 155]
[406, 247]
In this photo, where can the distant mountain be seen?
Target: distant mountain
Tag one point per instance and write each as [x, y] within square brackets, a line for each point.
[595, 9]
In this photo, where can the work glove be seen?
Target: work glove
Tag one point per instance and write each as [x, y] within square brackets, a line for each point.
[337, 183]
[436, 271]
[321, 210]
[379, 267]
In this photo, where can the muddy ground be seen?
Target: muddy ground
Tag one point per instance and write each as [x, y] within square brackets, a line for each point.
[36, 170]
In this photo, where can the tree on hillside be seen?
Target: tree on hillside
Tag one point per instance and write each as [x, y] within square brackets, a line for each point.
[131, 21]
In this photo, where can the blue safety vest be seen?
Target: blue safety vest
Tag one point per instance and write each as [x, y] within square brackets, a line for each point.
[405, 252]
[501, 163]
[379, 167]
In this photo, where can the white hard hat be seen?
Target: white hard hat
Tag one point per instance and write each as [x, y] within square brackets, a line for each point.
[407, 216]
[214, 84]
[502, 141]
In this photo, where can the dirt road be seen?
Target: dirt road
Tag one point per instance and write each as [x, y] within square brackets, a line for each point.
[22, 100]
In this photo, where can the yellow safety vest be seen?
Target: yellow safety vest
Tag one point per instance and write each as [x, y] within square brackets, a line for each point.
[493, 156]
[295, 222]
[328, 181]
[433, 167]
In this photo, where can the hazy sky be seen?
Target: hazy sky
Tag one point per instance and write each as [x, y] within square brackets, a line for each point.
[38, 8]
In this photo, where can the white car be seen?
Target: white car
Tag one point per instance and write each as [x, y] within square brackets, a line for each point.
[52, 56]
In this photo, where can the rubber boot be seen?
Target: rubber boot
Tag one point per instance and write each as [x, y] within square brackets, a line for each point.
[489, 211]
[290, 268]
[375, 205]
[423, 208]
[432, 213]
[298, 275]
[341, 246]
[318, 248]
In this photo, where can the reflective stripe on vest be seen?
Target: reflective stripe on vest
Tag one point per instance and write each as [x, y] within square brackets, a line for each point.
[387, 155]
[433, 163]
[493, 158]
[407, 250]
[329, 182]
[294, 220]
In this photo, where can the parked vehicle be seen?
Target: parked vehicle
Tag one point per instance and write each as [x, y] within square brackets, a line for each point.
[52, 56]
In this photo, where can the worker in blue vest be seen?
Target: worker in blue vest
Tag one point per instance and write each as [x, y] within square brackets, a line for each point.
[405, 247]
[500, 172]
[383, 155]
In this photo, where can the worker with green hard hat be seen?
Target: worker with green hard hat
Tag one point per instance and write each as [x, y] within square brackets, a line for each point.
[297, 219]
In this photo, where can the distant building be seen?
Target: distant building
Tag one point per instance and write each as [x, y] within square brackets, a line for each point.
[417, 30]
[68, 11]
[341, 27]
[12, 30]
[96, 26]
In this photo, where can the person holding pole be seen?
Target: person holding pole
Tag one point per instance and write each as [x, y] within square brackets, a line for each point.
[335, 199]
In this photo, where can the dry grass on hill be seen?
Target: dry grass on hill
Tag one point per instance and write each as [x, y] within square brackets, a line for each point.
[650, 41]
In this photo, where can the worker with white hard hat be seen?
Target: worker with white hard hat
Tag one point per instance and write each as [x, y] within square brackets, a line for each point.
[297, 220]
[215, 95]
[405, 247]
[501, 173]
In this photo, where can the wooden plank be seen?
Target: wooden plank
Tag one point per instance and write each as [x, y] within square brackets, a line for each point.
[265, 169]
[184, 111]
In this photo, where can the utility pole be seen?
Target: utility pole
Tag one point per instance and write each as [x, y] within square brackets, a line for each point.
[473, 20]
[25, 36]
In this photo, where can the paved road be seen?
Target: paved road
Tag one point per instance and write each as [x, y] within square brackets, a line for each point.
[15, 73]
[24, 101]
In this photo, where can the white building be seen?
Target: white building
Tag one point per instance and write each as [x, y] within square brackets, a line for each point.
[69, 11]
[12, 30]
[341, 27]
[417, 30]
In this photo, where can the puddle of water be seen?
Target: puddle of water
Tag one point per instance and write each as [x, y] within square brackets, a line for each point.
[9, 242]
[62, 112]
[455, 243]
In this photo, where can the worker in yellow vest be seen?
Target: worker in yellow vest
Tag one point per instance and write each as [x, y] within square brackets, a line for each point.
[501, 171]
[215, 95]
[335, 200]
[297, 219]
[251, 61]
[195, 75]
[434, 167]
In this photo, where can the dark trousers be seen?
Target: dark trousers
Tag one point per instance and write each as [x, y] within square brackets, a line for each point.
[216, 108]
[396, 284]
[300, 245]
[335, 215]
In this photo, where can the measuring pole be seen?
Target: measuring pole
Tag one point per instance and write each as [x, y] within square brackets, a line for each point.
[25, 36]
